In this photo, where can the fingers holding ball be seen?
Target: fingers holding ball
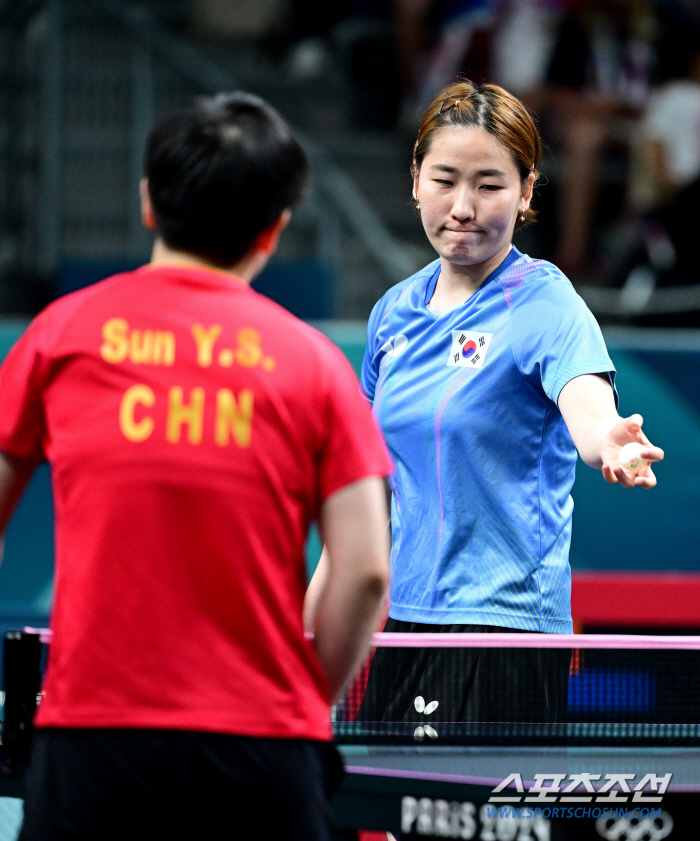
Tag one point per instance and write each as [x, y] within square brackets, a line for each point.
[631, 457]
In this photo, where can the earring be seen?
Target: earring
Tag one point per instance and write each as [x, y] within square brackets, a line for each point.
[417, 205]
[522, 217]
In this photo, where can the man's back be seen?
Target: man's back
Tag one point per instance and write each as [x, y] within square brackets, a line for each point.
[193, 428]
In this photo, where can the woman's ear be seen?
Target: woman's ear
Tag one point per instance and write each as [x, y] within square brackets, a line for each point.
[528, 187]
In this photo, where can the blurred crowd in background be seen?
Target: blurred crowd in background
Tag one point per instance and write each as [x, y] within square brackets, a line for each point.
[614, 84]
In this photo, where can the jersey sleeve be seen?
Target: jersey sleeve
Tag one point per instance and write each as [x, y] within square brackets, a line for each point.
[354, 446]
[556, 338]
[369, 373]
[22, 422]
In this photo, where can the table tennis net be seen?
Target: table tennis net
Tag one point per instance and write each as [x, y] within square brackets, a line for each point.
[526, 689]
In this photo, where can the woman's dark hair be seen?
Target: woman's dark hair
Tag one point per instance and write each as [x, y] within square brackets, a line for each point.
[220, 171]
[489, 107]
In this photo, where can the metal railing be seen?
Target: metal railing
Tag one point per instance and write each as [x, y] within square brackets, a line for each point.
[337, 210]
[357, 213]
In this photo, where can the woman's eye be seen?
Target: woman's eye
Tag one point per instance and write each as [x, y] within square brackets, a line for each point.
[443, 181]
[491, 187]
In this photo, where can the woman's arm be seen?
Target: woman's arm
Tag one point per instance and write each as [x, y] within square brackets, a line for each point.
[320, 576]
[315, 590]
[587, 405]
[349, 598]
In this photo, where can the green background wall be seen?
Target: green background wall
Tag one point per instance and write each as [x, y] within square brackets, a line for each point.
[658, 376]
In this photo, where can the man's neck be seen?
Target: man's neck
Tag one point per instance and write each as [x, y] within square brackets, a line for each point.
[245, 269]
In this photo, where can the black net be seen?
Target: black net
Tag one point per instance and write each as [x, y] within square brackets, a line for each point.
[524, 695]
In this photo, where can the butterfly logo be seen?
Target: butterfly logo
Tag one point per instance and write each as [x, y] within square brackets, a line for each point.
[425, 729]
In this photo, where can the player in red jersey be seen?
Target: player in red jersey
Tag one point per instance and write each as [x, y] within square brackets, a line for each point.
[195, 429]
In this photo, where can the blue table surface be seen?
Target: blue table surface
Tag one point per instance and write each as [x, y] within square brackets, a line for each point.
[491, 765]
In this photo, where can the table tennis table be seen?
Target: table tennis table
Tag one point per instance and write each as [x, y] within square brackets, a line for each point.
[489, 791]
[442, 792]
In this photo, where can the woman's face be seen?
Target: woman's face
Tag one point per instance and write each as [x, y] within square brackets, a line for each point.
[470, 195]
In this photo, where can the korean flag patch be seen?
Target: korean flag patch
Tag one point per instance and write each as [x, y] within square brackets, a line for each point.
[468, 349]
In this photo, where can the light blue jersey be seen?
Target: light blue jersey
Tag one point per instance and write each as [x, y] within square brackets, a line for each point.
[467, 400]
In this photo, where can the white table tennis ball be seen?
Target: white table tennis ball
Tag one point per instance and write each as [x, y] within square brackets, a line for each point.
[631, 459]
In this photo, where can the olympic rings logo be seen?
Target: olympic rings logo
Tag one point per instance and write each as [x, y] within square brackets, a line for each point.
[635, 829]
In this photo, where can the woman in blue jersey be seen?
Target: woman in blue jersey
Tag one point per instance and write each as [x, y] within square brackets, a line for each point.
[487, 373]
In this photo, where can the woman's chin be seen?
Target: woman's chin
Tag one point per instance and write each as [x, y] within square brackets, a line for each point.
[471, 255]
[466, 256]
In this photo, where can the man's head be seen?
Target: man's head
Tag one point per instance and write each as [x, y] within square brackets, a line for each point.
[220, 174]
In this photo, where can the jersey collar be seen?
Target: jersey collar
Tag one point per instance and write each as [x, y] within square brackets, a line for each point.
[511, 257]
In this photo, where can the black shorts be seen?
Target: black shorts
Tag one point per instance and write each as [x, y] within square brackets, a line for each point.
[149, 784]
[468, 684]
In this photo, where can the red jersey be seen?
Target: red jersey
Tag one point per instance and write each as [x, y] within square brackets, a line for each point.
[193, 428]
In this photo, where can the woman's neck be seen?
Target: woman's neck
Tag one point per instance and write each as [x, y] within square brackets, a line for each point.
[458, 283]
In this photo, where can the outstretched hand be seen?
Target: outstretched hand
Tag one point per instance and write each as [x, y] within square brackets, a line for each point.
[628, 431]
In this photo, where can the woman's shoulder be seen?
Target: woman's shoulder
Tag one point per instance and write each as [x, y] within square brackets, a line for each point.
[417, 279]
[415, 282]
[539, 292]
[536, 276]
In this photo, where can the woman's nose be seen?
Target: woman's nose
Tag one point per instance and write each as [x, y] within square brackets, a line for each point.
[463, 205]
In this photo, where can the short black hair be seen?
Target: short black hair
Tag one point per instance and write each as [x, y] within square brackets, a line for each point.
[220, 171]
